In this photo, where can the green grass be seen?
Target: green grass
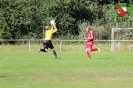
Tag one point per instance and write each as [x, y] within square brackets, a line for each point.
[72, 70]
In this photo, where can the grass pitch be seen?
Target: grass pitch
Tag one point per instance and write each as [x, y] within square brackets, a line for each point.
[72, 70]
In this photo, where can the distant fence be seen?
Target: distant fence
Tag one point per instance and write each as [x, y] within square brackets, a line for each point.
[105, 45]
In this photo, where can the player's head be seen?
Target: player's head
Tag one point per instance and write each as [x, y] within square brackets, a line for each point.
[88, 29]
[47, 27]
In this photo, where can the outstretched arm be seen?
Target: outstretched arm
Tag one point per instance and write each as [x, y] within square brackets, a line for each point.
[53, 28]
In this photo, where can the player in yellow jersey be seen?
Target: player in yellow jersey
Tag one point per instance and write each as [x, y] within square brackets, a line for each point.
[47, 43]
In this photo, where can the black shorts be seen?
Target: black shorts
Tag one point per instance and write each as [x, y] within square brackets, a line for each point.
[48, 44]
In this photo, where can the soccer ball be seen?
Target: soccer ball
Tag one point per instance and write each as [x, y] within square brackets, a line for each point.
[52, 22]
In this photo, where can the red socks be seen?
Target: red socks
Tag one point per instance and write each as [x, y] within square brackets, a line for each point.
[94, 49]
[88, 55]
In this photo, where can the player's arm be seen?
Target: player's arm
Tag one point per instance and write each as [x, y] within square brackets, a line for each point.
[88, 38]
[54, 28]
[91, 36]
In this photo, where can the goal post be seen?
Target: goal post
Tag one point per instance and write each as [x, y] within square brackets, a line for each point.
[120, 34]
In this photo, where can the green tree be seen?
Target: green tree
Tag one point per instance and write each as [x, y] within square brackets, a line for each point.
[27, 18]
[22, 19]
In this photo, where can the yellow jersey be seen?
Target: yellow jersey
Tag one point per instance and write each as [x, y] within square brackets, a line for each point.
[49, 33]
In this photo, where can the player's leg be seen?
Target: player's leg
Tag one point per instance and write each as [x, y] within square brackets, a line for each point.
[45, 49]
[87, 50]
[50, 45]
[95, 49]
[87, 53]
[54, 52]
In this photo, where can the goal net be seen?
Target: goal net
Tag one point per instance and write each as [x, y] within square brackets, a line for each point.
[121, 39]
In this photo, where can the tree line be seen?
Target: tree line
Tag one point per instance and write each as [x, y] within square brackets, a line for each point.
[26, 19]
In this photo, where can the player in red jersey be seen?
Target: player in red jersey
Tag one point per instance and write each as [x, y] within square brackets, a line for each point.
[89, 43]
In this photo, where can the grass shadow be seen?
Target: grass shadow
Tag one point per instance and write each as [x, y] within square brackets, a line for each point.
[104, 58]
[2, 76]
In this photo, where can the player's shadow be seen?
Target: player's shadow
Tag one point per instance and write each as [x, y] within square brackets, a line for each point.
[104, 58]
[2, 76]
